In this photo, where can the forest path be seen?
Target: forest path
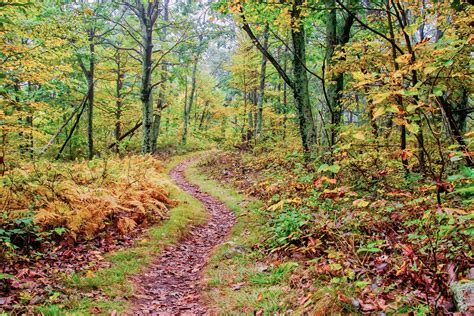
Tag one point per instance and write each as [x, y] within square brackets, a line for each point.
[173, 283]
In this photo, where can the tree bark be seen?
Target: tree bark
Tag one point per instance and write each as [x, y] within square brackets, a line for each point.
[337, 80]
[161, 104]
[119, 98]
[187, 111]
[301, 91]
[130, 132]
[403, 132]
[147, 13]
[261, 95]
[299, 84]
[90, 108]
[146, 90]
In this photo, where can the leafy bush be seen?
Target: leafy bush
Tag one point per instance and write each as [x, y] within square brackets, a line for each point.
[384, 236]
[287, 227]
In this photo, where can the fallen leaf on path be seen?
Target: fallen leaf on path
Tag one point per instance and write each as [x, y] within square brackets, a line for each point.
[95, 310]
[237, 286]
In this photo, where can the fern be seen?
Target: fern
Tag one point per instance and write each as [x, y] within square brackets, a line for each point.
[87, 198]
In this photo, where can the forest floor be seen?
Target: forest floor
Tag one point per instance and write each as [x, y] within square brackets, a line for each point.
[214, 254]
[173, 283]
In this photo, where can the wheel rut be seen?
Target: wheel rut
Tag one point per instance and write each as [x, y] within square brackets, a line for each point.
[173, 283]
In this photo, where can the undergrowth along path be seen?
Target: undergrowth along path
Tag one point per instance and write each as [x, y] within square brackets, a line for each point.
[173, 283]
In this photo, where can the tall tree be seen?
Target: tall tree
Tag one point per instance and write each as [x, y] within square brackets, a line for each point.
[336, 35]
[261, 92]
[299, 83]
[161, 103]
[147, 14]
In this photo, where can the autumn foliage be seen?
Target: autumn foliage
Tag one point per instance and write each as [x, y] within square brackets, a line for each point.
[79, 201]
[371, 243]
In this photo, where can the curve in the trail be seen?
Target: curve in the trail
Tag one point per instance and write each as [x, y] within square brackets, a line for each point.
[173, 283]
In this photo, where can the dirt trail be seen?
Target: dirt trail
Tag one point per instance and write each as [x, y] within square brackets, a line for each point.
[172, 285]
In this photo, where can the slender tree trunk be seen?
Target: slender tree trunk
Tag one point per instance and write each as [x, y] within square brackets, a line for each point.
[203, 115]
[146, 89]
[119, 101]
[299, 83]
[29, 123]
[161, 104]
[301, 91]
[90, 108]
[337, 79]
[185, 105]
[73, 128]
[332, 91]
[285, 101]
[261, 95]
[189, 105]
[403, 132]
[254, 121]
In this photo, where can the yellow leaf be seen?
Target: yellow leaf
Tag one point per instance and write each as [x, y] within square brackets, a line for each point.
[399, 121]
[358, 75]
[359, 136]
[276, 206]
[90, 274]
[378, 112]
[379, 98]
[88, 11]
[360, 203]
[429, 70]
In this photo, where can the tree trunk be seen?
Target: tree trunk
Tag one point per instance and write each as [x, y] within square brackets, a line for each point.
[187, 110]
[161, 104]
[203, 115]
[337, 80]
[261, 95]
[332, 91]
[299, 84]
[146, 89]
[119, 101]
[285, 102]
[90, 108]
[301, 91]
[403, 131]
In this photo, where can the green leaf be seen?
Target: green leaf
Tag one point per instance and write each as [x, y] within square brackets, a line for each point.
[372, 249]
[455, 158]
[323, 168]
[412, 107]
[413, 128]
[410, 92]
[437, 91]
[59, 230]
[334, 168]
[448, 63]
[361, 284]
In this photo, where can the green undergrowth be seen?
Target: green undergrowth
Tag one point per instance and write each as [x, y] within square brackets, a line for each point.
[114, 284]
[240, 279]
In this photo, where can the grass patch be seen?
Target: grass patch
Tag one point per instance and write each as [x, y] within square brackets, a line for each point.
[238, 279]
[114, 282]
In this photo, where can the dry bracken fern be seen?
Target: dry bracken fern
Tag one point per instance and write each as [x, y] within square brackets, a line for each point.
[89, 197]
